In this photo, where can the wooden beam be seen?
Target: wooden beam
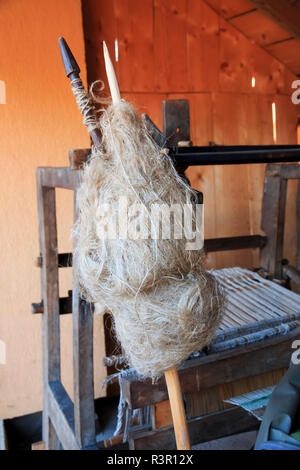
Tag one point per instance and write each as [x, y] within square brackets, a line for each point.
[60, 177]
[201, 429]
[61, 410]
[282, 12]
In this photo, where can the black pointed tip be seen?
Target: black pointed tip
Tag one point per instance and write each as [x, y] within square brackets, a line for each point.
[69, 61]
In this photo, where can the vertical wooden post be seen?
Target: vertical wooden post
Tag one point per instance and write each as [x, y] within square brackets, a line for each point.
[273, 218]
[177, 409]
[84, 410]
[50, 294]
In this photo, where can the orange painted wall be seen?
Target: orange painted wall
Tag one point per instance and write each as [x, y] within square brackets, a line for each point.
[39, 124]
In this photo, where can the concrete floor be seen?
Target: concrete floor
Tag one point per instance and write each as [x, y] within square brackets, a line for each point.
[243, 441]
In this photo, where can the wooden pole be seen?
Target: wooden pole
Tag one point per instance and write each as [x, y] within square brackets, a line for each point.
[177, 409]
[171, 375]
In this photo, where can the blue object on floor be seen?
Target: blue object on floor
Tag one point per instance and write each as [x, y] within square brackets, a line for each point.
[281, 415]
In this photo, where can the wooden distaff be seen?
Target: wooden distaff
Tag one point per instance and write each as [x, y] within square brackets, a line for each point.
[171, 375]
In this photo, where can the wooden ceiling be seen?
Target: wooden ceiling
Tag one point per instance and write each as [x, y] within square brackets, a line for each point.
[273, 24]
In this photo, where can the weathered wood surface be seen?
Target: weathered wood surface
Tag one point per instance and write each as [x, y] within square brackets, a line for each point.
[60, 177]
[61, 411]
[84, 409]
[61, 419]
[273, 218]
[201, 429]
[256, 25]
[219, 368]
[50, 295]
[234, 243]
[285, 13]
[273, 215]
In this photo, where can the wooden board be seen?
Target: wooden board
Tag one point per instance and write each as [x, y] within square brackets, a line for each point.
[288, 52]
[236, 60]
[259, 27]
[203, 429]
[99, 22]
[287, 118]
[212, 400]
[134, 23]
[285, 13]
[202, 28]
[170, 55]
[231, 182]
[230, 8]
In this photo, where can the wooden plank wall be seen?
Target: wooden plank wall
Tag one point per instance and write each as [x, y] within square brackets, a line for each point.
[184, 49]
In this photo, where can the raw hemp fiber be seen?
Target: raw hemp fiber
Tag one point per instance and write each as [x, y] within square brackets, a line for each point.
[165, 306]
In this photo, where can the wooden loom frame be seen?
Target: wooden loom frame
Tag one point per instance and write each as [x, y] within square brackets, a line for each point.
[72, 425]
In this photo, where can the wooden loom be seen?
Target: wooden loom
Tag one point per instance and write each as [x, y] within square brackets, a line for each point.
[72, 425]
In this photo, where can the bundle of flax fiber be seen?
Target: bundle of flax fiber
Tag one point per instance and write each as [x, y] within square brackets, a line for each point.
[164, 304]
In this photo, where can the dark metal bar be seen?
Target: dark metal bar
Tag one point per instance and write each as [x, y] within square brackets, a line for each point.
[233, 155]
[234, 243]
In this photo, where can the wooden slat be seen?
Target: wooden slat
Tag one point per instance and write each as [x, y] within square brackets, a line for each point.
[61, 410]
[213, 399]
[59, 177]
[231, 182]
[84, 409]
[50, 295]
[287, 118]
[202, 28]
[229, 8]
[288, 52]
[236, 52]
[161, 415]
[202, 429]
[99, 24]
[170, 56]
[259, 131]
[284, 13]
[134, 22]
[255, 25]
[273, 217]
